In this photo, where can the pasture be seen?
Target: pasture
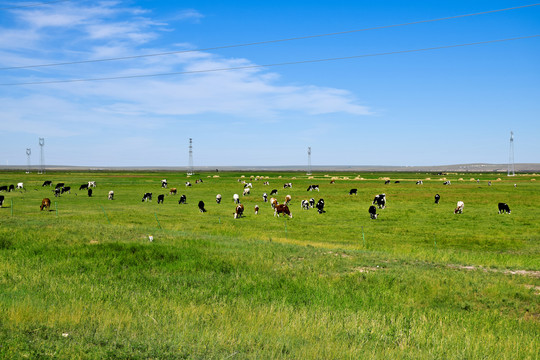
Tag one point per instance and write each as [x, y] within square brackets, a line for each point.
[83, 280]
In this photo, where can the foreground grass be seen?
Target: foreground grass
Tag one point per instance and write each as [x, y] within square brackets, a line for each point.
[88, 284]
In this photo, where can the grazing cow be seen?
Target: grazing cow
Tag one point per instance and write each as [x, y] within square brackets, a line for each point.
[287, 199]
[91, 184]
[45, 203]
[236, 198]
[312, 203]
[246, 191]
[83, 186]
[397, 182]
[419, 182]
[380, 201]
[273, 192]
[47, 183]
[164, 183]
[57, 192]
[256, 209]
[305, 205]
[320, 206]
[353, 192]
[182, 199]
[66, 189]
[387, 182]
[248, 185]
[20, 185]
[459, 207]
[11, 188]
[173, 191]
[504, 208]
[111, 195]
[265, 197]
[373, 212]
[59, 185]
[147, 197]
[266, 183]
[198, 181]
[218, 198]
[332, 181]
[4, 188]
[89, 192]
[437, 198]
[238, 211]
[313, 187]
[287, 185]
[201, 206]
[1, 200]
[447, 182]
[282, 209]
[160, 198]
[273, 202]
[188, 183]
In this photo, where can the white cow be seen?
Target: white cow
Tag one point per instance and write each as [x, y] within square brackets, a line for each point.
[91, 184]
[459, 207]
[236, 198]
[19, 185]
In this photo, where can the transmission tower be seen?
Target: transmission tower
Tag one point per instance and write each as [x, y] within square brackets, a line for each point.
[309, 161]
[28, 153]
[190, 170]
[42, 158]
[511, 165]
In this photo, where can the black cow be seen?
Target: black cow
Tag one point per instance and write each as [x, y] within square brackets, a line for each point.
[160, 198]
[273, 192]
[201, 206]
[437, 198]
[59, 185]
[83, 186]
[1, 200]
[380, 201]
[504, 208]
[66, 189]
[4, 188]
[89, 192]
[182, 199]
[320, 206]
[373, 212]
[313, 187]
[47, 183]
[147, 197]
[11, 188]
[387, 182]
[353, 192]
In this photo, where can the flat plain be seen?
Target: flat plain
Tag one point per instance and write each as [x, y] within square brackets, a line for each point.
[83, 280]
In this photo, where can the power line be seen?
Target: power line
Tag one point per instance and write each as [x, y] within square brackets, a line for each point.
[33, 5]
[270, 65]
[262, 42]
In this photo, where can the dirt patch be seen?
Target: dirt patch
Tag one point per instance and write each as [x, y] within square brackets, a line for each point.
[366, 269]
[529, 273]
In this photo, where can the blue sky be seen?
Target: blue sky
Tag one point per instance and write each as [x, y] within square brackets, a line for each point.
[447, 106]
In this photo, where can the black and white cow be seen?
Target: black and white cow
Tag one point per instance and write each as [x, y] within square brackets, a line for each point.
[182, 199]
[266, 183]
[218, 198]
[160, 198]
[273, 192]
[305, 204]
[437, 198]
[312, 203]
[91, 184]
[246, 191]
[164, 183]
[59, 185]
[111, 195]
[504, 208]
[373, 212]
[47, 183]
[313, 187]
[188, 183]
[236, 198]
[447, 182]
[380, 201]
[4, 188]
[353, 192]
[1, 200]
[83, 186]
[265, 197]
[57, 192]
[320, 206]
[419, 182]
[11, 188]
[201, 206]
[20, 185]
[66, 189]
[147, 197]
[387, 182]
[287, 185]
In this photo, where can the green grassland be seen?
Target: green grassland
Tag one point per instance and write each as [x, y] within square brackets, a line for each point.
[83, 280]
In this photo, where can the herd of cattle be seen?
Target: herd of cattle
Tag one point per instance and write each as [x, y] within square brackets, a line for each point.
[379, 201]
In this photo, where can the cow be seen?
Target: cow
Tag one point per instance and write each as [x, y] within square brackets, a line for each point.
[59, 185]
[320, 206]
[66, 189]
[447, 182]
[397, 182]
[265, 197]
[312, 203]
[489, 183]
[92, 184]
[304, 204]
[459, 207]
[373, 212]
[57, 192]
[246, 191]
[47, 183]
[380, 201]
[201, 206]
[353, 192]
[89, 192]
[111, 195]
[387, 182]
[504, 208]
[248, 185]
[287, 199]
[218, 198]
[437, 198]
[11, 188]
[273, 202]
[147, 197]
[236, 199]
[4, 188]
[182, 199]
[273, 192]
[266, 183]
[287, 185]
[83, 186]
[419, 182]
[164, 183]
[1, 200]
[198, 181]
[239, 211]
[173, 191]
[45, 203]
[188, 183]
[160, 198]
[20, 186]
[332, 181]
[256, 209]
[313, 187]
[282, 209]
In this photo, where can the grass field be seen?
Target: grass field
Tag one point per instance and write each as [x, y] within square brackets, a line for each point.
[83, 280]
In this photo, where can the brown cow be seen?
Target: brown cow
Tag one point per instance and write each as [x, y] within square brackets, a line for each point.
[173, 191]
[45, 203]
[239, 211]
[282, 209]
[256, 209]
